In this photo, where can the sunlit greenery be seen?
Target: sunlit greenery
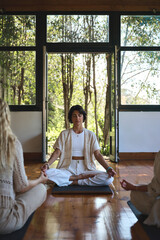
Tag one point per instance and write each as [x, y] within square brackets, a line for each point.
[140, 30]
[17, 77]
[77, 78]
[17, 68]
[55, 92]
[77, 28]
[17, 30]
[140, 69]
[140, 78]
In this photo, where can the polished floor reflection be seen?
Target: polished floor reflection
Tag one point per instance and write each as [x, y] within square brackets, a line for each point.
[90, 217]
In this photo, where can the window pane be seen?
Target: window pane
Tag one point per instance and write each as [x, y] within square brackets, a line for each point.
[140, 78]
[17, 30]
[140, 30]
[77, 28]
[17, 77]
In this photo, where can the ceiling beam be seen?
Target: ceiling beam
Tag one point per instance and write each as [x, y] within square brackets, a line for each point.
[80, 5]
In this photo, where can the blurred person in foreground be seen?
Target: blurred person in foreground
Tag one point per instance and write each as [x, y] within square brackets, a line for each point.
[19, 197]
[146, 197]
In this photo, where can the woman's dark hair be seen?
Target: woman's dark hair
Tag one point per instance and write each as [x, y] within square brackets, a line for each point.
[79, 109]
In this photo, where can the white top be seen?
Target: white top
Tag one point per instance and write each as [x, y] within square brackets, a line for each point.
[77, 144]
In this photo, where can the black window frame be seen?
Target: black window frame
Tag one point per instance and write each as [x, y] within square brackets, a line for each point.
[41, 40]
[58, 47]
[38, 49]
[123, 107]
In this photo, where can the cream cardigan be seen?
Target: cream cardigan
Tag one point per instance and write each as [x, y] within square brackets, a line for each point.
[12, 180]
[64, 144]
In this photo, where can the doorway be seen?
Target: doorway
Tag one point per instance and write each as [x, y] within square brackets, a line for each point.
[85, 79]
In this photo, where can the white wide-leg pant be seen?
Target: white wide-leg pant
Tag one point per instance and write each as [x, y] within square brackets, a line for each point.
[61, 176]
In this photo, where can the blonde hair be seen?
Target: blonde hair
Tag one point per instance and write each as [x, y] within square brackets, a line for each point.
[7, 138]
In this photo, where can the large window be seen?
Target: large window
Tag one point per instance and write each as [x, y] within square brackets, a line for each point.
[140, 31]
[140, 77]
[140, 61]
[21, 60]
[18, 59]
[77, 28]
[17, 85]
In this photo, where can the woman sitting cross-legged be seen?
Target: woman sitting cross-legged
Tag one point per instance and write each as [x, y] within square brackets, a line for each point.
[146, 197]
[19, 197]
[77, 149]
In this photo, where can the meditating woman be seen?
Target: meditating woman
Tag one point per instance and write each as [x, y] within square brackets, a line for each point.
[77, 149]
[146, 197]
[19, 197]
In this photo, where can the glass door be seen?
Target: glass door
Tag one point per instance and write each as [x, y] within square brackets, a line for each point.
[114, 116]
[45, 106]
[79, 49]
[66, 78]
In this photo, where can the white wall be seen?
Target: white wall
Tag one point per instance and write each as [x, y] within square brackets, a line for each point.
[28, 128]
[139, 131]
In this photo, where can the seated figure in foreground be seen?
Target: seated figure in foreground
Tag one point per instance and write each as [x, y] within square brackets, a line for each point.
[19, 196]
[146, 197]
[77, 149]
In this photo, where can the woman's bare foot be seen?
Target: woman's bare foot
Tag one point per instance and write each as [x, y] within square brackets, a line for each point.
[127, 185]
[81, 176]
[75, 182]
[85, 176]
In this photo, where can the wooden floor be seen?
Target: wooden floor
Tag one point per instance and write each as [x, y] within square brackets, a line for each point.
[90, 217]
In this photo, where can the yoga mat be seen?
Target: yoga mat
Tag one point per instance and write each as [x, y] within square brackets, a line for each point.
[153, 232]
[81, 189]
[19, 234]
